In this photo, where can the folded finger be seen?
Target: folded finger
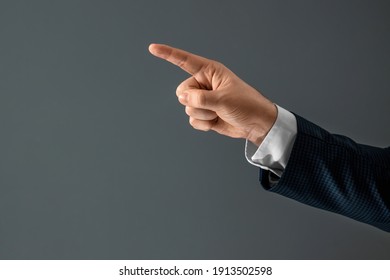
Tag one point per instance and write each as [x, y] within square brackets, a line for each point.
[200, 114]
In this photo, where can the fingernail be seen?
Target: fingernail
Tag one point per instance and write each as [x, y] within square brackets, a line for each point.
[183, 97]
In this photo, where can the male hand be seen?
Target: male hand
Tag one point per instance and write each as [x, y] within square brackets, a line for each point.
[216, 99]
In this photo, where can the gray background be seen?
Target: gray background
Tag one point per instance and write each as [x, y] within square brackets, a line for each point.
[97, 159]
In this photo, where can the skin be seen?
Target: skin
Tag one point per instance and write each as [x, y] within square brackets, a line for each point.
[216, 99]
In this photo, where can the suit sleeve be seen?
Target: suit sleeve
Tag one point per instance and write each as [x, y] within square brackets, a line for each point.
[334, 173]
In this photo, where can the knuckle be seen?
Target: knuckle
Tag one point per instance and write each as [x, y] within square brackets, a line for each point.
[192, 122]
[200, 125]
[196, 124]
[179, 89]
[188, 110]
[218, 64]
[207, 127]
[181, 62]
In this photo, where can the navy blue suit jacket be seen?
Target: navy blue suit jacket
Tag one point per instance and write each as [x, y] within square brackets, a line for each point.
[334, 173]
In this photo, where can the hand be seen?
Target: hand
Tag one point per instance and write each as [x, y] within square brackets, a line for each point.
[216, 99]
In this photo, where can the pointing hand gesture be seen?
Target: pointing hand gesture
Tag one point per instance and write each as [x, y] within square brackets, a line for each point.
[216, 99]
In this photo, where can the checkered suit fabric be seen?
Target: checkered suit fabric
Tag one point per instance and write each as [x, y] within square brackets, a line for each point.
[334, 173]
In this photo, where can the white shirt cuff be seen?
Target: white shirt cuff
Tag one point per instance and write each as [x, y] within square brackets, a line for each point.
[274, 152]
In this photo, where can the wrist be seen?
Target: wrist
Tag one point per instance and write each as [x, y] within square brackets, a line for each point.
[263, 124]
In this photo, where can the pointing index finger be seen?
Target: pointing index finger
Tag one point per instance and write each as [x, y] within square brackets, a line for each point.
[189, 62]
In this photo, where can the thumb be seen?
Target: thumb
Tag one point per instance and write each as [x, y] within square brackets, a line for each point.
[199, 98]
